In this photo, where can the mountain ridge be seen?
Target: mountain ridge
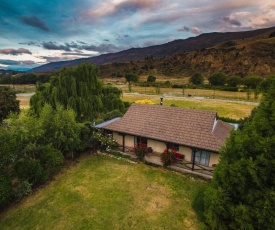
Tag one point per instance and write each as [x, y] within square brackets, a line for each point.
[172, 48]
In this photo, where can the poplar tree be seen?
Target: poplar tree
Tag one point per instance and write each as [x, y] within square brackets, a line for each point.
[242, 192]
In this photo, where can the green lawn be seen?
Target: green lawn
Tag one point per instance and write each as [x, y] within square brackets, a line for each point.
[101, 192]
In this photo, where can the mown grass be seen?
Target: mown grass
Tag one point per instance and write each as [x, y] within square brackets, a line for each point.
[105, 193]
[233, 110]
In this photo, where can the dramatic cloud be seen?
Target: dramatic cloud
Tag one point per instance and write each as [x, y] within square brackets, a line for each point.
[233, 22]
[12, 62]
[30, 43]
[77, 54]
[193, 30]
[55, 46]
[120, 37]
[103, 26]
[34, 21]
[101, 48]
[111, 7]
[14, 51]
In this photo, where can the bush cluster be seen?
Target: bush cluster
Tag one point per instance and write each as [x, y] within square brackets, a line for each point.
[168, 157]
[140, 150]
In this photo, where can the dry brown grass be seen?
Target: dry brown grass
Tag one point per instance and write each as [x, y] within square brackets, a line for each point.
[24, 102]
[22, 88]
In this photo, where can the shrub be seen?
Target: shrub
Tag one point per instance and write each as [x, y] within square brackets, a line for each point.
[112, 114]
[230, 88]
[168, 157]
[144, 101]
[198, 204]
[140, 150]
[102, 142]
[177, 86]
[151, 78]
[5, 190]
[23, 189]
[51, 159]
[30, 170]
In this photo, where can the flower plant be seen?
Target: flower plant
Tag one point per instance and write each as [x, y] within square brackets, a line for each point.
[140, 150]
[168, 157]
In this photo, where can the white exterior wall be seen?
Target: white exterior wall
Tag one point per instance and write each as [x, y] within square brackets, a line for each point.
[157, 146]
[129, 141]
[187, 152]
[118, 138]
[214, 159]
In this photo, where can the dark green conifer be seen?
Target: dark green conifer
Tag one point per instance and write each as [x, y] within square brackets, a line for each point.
[242, 193]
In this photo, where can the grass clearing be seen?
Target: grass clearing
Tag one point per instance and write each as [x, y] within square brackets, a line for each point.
[105, 193]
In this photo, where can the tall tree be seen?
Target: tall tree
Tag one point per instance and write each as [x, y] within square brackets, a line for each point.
[131, 77]
[234, 81]
[78, 88]
[217, 79]
[8, 102]
[241, 195]
[252, 81]
[197, 79]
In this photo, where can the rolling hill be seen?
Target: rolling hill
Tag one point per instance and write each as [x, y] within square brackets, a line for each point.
[211, 51]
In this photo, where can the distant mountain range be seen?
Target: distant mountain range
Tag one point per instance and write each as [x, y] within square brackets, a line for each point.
[206, 52]
[4, 72]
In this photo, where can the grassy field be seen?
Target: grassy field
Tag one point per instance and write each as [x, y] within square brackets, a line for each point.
[233, 110]
[105, 193]
[22, 88]
[194, 92]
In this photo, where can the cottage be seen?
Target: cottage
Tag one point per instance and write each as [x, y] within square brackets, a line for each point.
[191, 132]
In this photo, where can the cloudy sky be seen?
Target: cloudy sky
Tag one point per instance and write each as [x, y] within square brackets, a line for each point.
[35, 32]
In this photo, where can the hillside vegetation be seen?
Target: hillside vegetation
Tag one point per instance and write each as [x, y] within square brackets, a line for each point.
[191, 49]
[245, 57]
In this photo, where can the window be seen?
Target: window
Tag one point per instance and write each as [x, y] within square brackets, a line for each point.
[108, 132]
[140, 140]
[173, 147]
[202, 157]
